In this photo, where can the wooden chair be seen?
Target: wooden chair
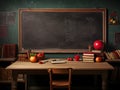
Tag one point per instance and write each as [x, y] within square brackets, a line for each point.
[60, 78]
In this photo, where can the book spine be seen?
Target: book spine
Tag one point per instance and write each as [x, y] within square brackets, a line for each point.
[88, 54]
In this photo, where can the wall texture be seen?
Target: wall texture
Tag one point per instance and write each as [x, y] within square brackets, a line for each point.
[10, 9]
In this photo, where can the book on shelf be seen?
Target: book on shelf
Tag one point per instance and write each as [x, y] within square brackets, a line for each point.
[118, 52]
[112, 55]
[107, 55]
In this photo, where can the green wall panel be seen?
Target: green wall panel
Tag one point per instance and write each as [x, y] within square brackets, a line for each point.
[14, 5]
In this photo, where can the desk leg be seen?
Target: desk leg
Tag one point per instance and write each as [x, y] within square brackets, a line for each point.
[25, 78]
[104, 81]
[14, 81]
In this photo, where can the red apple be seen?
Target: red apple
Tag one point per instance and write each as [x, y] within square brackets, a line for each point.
[70, 59]
[40, 56]
[98, 45]
[33, 59]
[76, 57]
[98, 59]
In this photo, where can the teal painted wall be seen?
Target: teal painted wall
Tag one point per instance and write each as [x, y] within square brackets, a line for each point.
[14, 5]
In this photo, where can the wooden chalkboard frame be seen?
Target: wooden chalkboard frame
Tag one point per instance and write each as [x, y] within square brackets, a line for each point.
[20, 44]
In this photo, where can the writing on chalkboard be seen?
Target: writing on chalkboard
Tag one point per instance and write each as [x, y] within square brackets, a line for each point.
[60, 29]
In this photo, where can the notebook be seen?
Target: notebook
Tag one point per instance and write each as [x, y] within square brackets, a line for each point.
[58, 61]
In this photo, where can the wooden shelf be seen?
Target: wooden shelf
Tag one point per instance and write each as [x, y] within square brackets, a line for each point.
[21, 80]
[5, 81]
[113, 60]
[7, 59]
[5, 76]
[9, 81]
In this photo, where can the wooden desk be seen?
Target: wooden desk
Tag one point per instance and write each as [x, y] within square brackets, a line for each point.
[77, 66]
[115, 74]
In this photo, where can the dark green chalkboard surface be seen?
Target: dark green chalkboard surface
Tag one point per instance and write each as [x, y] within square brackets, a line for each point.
[60, 30]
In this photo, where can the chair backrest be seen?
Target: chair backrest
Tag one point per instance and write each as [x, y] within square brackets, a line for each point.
[9, 50]
[61, 72]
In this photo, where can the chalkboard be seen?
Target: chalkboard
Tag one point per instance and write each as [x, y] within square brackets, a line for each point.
[60, 30]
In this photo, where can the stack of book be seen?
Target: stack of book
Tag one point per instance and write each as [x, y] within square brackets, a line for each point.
[88, 57]
[98, 53]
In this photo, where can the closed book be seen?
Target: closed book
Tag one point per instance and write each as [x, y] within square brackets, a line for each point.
[107, 55]
[88, 53]
[96, 51]
[87, 56]
[87, 61]
[118, 52]
[116, 56]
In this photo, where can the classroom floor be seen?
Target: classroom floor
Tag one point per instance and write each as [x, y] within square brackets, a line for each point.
[78, 83]
[83, 83]
[112, 86]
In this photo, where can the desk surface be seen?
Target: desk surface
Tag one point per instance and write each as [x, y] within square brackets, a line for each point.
[19, 65]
